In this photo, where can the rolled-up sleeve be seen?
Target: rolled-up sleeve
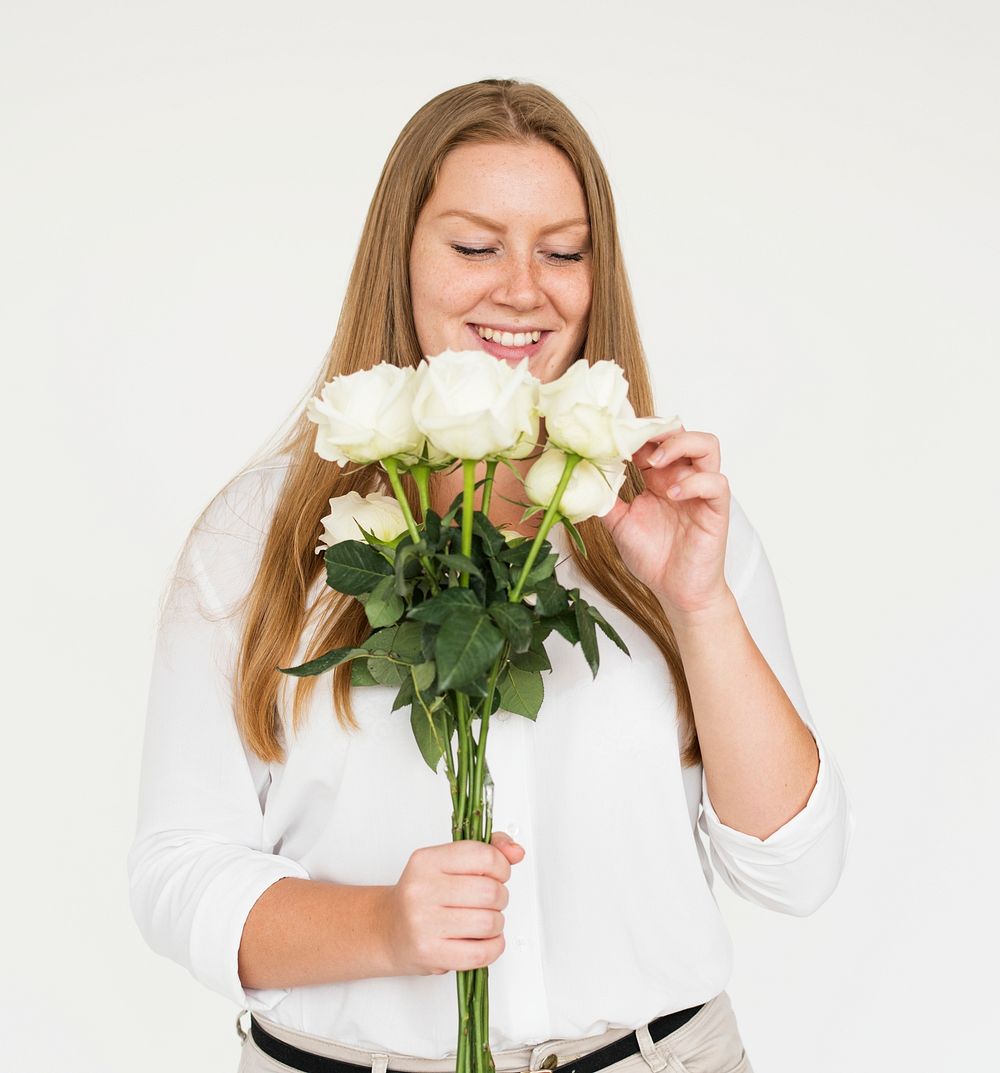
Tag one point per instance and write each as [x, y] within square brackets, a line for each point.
[197, 863]
[797, 867]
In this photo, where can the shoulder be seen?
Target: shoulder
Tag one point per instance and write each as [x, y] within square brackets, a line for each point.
[223, 549]
[244, 505]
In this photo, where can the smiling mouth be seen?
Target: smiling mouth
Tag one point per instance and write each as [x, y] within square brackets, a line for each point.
[508, 353]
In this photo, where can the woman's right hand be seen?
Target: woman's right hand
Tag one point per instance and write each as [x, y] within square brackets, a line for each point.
[445, 913]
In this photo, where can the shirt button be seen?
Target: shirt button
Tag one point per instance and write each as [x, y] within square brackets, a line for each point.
[521, 941]
[512, 829]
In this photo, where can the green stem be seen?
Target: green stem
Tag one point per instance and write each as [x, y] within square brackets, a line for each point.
[468, 507]
[491, 466]
[484, 726]
[459, 825]
[452, 785]
[445, 745]
[464, 1041]
[467, 819]
[548, 519]
[486, 1021]
[420, 474]
[481, 1017]
[392, 467]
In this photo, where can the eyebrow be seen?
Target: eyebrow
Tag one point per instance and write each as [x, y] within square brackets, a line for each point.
[576, 221]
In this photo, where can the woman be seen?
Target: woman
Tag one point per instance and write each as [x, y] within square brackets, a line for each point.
[301, 866]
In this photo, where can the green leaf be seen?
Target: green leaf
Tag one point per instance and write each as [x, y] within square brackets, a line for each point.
[423, 675]
[501, 572]
[382, 546]
[385, 671]
[352, 566]
[465, 648]
[383, 605]
[521, 691]
[428, 640]
[588, 635]
[564, 623]
[458, 561]
[361, 675]
[541, 568]
[493, 540]
[517, 554]
[402, 640]
[438, 608]
[574, 533]
[532, 660]
[415, 677]
[407, 565]
[325, 662]
[607, 628]
[456, 505]
[405, 694]
[430, 729]
[407, 642]
[550, 597]
[514, 621]
[475, 688]
[432, 528]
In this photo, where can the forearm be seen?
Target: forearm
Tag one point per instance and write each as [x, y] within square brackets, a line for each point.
[303, 931]
[760, 759]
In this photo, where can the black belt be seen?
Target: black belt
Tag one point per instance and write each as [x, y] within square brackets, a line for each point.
[625, 1047]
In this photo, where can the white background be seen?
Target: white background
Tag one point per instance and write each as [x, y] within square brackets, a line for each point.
[808, 205]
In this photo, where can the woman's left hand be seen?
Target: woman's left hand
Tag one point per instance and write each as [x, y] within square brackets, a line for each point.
[676, 544]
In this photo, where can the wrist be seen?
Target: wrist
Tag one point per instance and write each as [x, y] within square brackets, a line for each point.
[382, 920]
[706, 614]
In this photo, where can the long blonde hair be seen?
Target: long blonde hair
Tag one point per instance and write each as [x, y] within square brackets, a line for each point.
[376, 324]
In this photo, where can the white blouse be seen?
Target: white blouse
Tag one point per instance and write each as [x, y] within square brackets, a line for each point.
[611, 919]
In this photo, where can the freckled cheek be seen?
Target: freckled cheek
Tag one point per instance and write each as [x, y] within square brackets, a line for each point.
[574, 302]
[458, 295]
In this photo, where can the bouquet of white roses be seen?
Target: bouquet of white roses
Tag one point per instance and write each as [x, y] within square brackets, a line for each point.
[459, 609]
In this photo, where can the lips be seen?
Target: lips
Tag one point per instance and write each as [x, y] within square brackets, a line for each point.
[507, 353]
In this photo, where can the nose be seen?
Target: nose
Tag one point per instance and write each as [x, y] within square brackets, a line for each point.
[519, 286]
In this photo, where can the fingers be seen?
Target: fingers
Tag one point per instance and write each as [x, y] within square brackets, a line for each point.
[471, 857]
[512, 850]
[476, 892]
[712, 487]
[465, 954]
[701, 448]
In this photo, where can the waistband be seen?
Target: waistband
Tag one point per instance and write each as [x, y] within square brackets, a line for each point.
[544, 1056]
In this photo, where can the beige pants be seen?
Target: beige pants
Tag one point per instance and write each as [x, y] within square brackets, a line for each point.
[709, 1043]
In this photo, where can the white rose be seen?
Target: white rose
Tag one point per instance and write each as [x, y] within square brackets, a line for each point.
[470, 405]
[591, 490]
[587, 411]
[367, 416]
[379, 514]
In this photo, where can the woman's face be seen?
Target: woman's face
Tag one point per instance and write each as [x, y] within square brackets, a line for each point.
[523, 213]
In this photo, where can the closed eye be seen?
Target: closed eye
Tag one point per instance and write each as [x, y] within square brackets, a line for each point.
[469, 251]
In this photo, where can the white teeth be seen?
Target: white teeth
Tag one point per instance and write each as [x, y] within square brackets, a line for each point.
[509, 338]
